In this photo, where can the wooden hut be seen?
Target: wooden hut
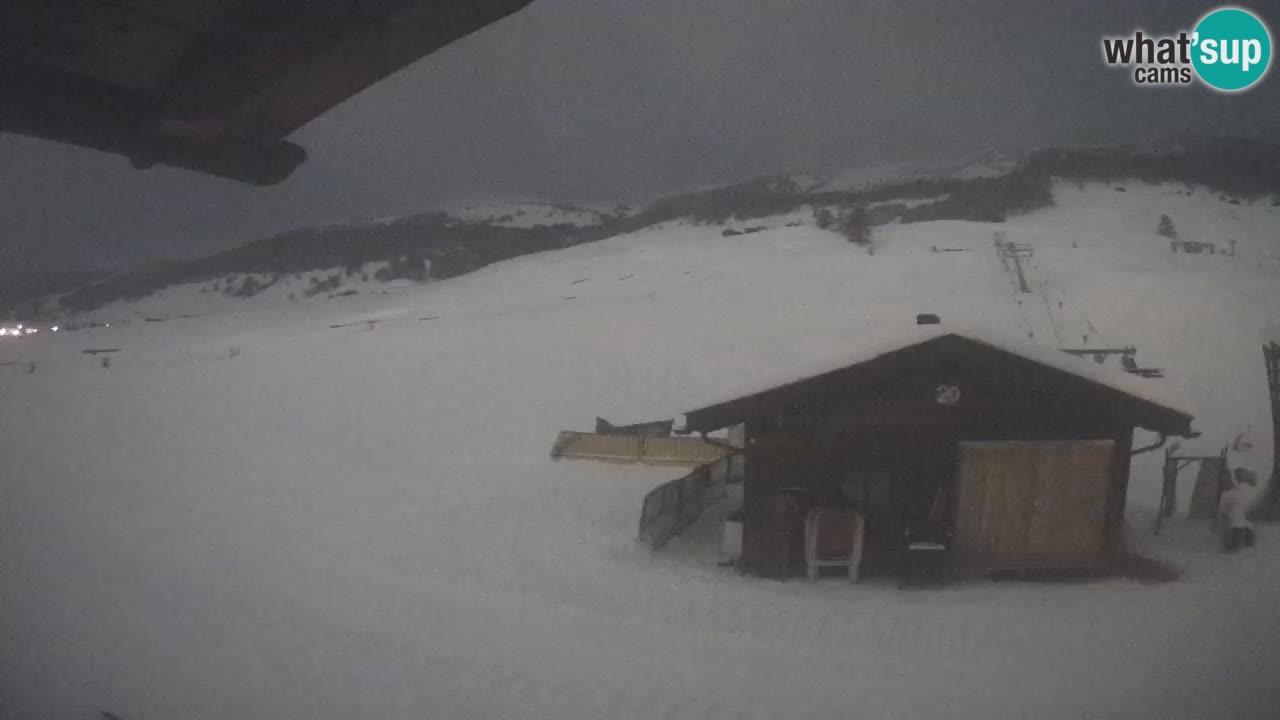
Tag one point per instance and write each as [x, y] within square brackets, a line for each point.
[1021, 452]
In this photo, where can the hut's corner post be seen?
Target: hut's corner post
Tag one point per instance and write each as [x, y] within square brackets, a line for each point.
[753, 501]
[1119, 491]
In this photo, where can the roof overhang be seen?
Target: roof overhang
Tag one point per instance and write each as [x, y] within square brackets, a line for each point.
[210, 85]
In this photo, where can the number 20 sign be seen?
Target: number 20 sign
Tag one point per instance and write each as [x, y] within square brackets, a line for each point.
[947, 394]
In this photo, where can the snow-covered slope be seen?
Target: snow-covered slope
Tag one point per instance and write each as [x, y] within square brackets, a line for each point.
[990, 163]
[987, 163]
[219, 296]
[256, 514]
[514, 214]
[862, 178]
[528, 214]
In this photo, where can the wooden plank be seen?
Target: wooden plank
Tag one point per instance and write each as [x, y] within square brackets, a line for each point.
[588, 446]
[1118, 493]
[679, 451]
[687, 451]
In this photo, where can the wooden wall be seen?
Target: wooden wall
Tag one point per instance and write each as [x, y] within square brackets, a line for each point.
[893, 416]
[802, 454]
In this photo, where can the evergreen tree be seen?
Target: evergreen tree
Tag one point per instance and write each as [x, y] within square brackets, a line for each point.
[855, 224]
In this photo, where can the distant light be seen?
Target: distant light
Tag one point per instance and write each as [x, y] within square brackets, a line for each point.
[54, 328]
[19, 326]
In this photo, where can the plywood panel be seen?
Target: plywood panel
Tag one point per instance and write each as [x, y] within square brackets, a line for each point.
[994, 494]
[1208, 489]
[1069, 511]
[1032, 505]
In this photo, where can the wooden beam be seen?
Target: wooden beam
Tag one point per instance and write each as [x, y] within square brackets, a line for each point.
[1126, 350]
[1119, 486]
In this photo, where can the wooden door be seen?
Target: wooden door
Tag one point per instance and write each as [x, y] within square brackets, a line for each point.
[1031, 504]
[1069, 512]
[993, 499]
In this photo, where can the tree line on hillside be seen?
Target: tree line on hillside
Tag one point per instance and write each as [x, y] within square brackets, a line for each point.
[1241, 167]
[450, 247]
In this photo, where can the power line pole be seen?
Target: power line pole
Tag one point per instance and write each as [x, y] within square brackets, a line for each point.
[1271, 353]
[1017, 253]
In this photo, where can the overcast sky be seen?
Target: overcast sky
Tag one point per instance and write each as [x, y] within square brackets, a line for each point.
[623, 100]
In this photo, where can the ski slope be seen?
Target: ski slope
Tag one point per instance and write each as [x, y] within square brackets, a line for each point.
[363, 521]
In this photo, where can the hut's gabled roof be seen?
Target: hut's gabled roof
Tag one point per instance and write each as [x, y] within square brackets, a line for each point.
[1141, 400]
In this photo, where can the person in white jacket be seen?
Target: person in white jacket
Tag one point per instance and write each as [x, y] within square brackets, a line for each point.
[1239, 498]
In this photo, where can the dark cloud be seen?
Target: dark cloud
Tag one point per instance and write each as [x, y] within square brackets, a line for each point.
[602, 100]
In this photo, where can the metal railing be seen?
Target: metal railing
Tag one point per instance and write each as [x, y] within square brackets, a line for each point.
[673, 506]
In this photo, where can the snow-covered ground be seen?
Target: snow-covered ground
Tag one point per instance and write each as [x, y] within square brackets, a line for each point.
[345, 522]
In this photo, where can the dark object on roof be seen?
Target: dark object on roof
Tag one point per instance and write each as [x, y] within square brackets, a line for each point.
[927, 319]
[1081, 352]
[1130, 366]
[209, 85]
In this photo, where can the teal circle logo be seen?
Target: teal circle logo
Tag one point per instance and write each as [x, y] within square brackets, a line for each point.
[1231, 49]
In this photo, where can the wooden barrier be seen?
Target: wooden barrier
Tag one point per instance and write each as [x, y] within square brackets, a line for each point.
[635, 449]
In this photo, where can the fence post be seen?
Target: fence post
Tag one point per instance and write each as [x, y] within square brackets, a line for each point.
[680, 490]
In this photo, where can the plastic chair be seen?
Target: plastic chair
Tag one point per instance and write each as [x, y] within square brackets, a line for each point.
[833, 538]
[926, 552]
